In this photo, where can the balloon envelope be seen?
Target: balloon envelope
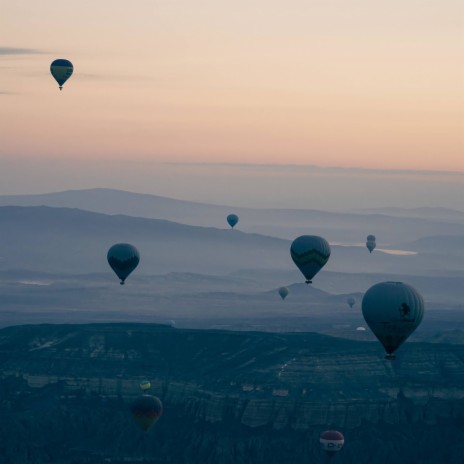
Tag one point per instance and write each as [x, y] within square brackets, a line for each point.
[370, 243]
[146, 410]
[351, 301]
[392, 310]
[61, 70]
[145, 385]
[123, 258]
[331, 441]
[283, 292]
[232, 220]
[310, 253]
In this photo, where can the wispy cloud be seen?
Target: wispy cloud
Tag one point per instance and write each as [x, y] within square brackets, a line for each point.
[322, 169]
[8, 51]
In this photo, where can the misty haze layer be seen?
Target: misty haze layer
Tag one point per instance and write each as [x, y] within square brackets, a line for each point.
[198, 272]
[263, 186]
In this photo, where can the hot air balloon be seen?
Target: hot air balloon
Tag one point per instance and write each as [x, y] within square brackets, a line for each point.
[370, 243]
[123, 259]
[351, 301]
[232, 220]
[61, 70]
[145, 385]
[310, 253]
[283, 292]
[331, 442]
[146, 410]
[392, 310]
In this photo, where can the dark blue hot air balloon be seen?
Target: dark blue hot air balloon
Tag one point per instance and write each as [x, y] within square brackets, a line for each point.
[123, 258]
[232, 220]
[61, 70]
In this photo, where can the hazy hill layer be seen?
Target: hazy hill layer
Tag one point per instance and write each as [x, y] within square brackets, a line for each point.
[75, 241]
[347, 228]
[53, 268]
[431, 212]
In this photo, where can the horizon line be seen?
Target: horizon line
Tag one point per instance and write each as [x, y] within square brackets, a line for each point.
[314, 166]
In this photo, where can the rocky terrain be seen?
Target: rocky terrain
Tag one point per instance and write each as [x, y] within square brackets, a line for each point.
[229, 397]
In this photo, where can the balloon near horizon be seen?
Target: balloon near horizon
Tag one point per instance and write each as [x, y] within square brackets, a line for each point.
[232, 220]
[351, 301]
[283, 292]
[370, 243]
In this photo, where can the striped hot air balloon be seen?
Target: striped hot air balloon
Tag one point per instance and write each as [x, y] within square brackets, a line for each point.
[146, 411]
[310, 253]
[331, 442]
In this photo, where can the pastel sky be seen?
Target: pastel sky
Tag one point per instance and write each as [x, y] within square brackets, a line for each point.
[349, 83]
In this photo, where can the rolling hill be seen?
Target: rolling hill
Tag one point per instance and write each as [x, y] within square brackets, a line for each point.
[228, 397]
[337, 227]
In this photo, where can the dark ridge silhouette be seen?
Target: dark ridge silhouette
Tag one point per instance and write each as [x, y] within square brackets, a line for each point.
[228, 397]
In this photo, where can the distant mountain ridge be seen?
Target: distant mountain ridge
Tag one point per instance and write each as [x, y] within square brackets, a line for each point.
[432, 212]
[53, 239]
[347, 227]
[106, 197]
[72, 241]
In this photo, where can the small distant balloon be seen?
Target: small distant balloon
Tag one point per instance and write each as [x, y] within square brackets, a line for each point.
[331, 442]
[146, 411]
[370, 243]
[123, 258]
[310, 253]
[232, 220]
[61, 70]
[393, 311]
[145, 385]
[351, 301]
[283, 292]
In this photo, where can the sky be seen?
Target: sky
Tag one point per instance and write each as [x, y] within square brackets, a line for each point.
[359, 84]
